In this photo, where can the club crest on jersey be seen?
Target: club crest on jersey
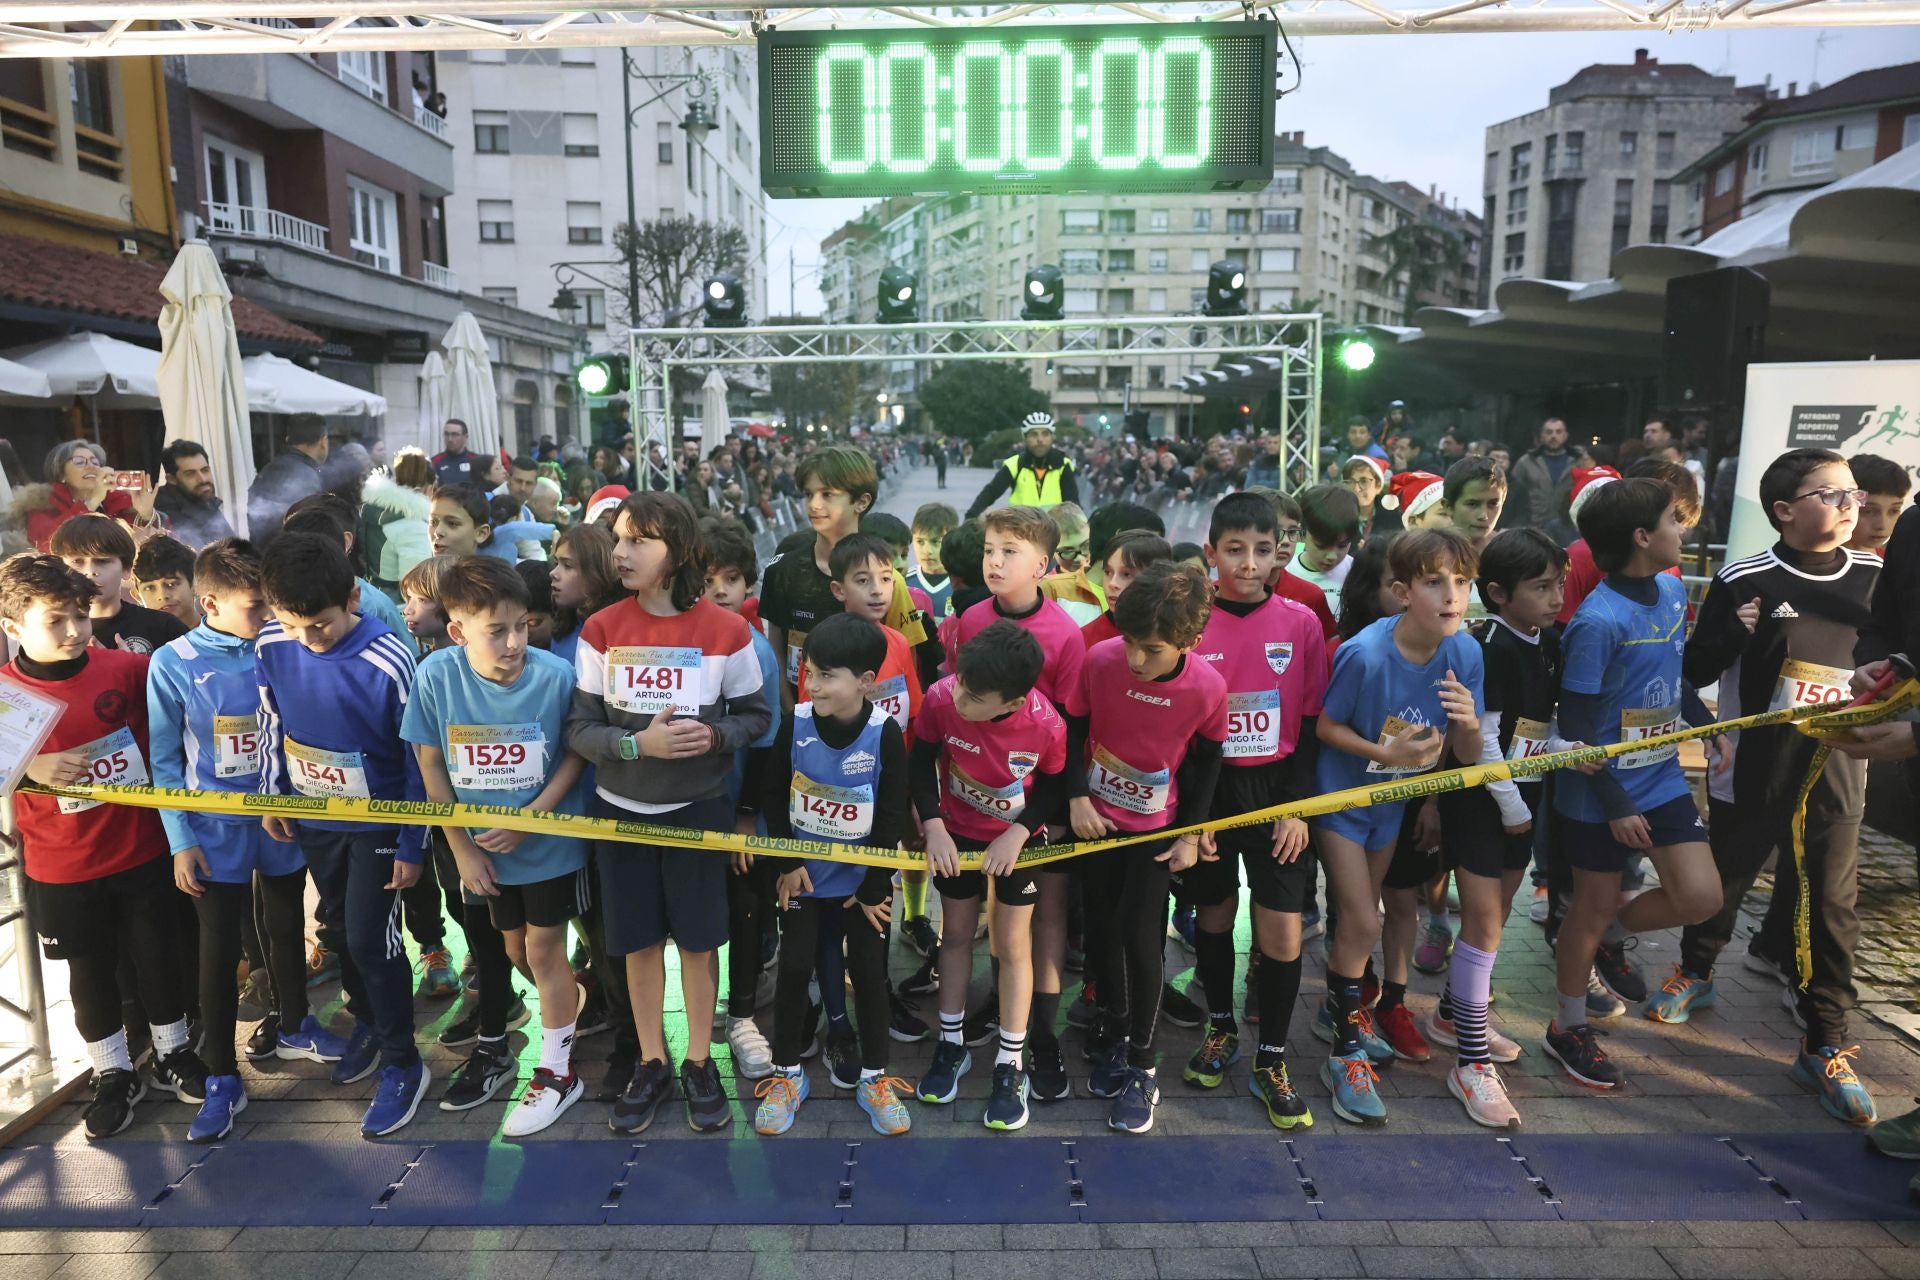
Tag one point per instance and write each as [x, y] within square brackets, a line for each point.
[1022, 763]
[1279, 655]
[857, 763]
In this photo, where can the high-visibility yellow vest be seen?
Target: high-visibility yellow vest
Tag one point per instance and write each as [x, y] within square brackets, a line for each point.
[1034, 488]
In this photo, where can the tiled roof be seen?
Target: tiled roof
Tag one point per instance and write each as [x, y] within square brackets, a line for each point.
[1865, 89]
[62, 277]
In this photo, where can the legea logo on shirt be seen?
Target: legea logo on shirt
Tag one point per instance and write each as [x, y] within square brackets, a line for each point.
[1279, 655]
[857, 763]
[1022, 763]
[963, 744]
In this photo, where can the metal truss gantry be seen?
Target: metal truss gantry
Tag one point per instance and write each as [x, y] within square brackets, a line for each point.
[1289, 344]
[144, 28]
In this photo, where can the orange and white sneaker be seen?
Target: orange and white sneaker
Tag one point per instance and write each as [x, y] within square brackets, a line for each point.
[879, 1097]
[1440, 1031]
[1480, 1091]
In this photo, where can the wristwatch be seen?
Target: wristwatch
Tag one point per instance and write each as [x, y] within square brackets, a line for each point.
[629, 747]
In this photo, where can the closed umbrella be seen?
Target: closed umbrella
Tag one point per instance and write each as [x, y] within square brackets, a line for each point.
[471, 395]
[203, 387]
[713, 411]
[433, 401]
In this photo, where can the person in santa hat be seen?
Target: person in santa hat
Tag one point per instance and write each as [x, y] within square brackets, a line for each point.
[1366, 477]
[1416, 497]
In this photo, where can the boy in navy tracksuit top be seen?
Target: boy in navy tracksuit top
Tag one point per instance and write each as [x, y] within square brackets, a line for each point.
[333, 687]
[203, 717]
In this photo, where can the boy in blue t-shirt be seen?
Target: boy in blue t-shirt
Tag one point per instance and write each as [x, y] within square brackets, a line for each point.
[487, 720]
[1403, 690]
[1622, 681]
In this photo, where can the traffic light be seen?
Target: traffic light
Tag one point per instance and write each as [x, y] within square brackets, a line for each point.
[602, 374]
[1103, 422]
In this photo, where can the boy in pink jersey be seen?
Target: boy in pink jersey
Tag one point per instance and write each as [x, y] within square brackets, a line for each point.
[1272, 655]
[1154, 720]
[987, 756]
[1128, 552]
[1019, 544]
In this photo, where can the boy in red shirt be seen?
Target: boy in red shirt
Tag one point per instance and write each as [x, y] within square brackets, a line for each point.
[861, 568]
[99, 883]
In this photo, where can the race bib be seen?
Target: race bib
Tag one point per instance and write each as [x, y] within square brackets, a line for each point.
[496, 757]
[832, 813]
[1124, 787]
[1809, 683]
[112, 761]
[891, 697]
[1253, 724]
[1395, 727]
[236, 746]
[1529, 739]
[654, 681]
[795, 646]
[1639, 723]
[327, 774]
[999, 803]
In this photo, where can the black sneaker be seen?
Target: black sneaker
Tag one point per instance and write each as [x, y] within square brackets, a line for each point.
[1579, 1052]
[620, 1064]
[905, 1027]
[256, 997]
[1178, 1008]
[1617, 972]
[593, 1017]
[843, 1057]
[633, 1109]
[983, 1025]
[114, 1096]
[1047, 1073]
[1007, 1108]
[464, 1032]
[707, 1108]
[481, 1076]
[182, 1074]
[921, 935]
[923, 981]
[264, 1039]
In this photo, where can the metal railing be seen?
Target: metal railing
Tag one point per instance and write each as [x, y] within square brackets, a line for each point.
[439, 277]
[255, 223]
[28, 1006]
[432, 123]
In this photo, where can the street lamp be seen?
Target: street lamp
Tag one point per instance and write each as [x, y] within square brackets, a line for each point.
[698, 123]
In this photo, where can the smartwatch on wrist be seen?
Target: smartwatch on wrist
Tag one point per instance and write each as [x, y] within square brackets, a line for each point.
[629, 747]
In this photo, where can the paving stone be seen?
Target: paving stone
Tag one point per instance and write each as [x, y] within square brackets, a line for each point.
[1901, 1264]
[627, 1264]
[1441, 1233]
[1066, 1235]
[1397, 1260]
[38, 1266]
[1741, 1235]
[251, 1266]
[625, 1236]
[1056, 1264]
[1545, 1235]
[855, 1238]
[1206, 1264]
[759, 1239]
[1354, 1233]
[1327, 1261]
[1531, 1262]
[1826, 1235]
[472, 1239]
[455, 1264]
[64, 1240]
[825, 1265]
[184, 1239]
[906, 1265]
[1721, 1264]
[1823, 1264]
[947, 1237]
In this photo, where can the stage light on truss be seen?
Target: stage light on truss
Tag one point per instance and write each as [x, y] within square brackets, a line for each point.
[1356, 355]
[1226, 289]
[899, 296]
[725, 301]
[1045, 294]
[601, 374]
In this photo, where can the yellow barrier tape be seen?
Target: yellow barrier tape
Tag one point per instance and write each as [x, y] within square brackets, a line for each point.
[1823, 722]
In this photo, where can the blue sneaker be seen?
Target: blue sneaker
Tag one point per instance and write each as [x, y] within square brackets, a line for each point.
[226, 1098]
[1132, 1110]
[942, 1081]
[879, 1098]
[1350, 1081]
[1378, 1050]
[397, 1098]
[1182, 928]
[315, 1043]
[1110, 1070]
[1828, 1072]
[1679, 996]
[359, 1058]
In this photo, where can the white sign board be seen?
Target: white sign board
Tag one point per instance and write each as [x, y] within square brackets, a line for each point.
[1853, 406]
[26, 718]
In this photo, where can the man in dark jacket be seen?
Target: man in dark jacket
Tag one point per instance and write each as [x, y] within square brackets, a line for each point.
[296, 472]
[1542, 478]
[187, 499]
[456, 465]
[1891, 639]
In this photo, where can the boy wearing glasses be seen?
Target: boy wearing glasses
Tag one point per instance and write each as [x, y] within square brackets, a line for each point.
[1777, 630]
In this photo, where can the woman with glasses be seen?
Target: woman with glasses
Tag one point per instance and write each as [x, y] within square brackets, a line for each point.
[79, 481]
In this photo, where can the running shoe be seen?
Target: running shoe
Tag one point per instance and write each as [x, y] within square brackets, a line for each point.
[941, 1083]
[879, 1097]
[843, 1056]
[1828, 1074]
[752, 1055]
[437, 979]
[1758, 961]
[1177, 1007]
[1679, 996]
[264, 1038]
[621, 1060]
[1399, 1030]
[594, 1017]
[780, 1097]
[1352, 1085]
[547, 1098]
[489, 1069]
[923, 981]
[1602, 1003]
[226, 1098]
[1541, 907]
[1109, 1074]
[1132, 1110]
[1578, 1051]
[707, 1108]
[1377, 1049]
[467, 1030]
[1047, 1073]
[1208, 1066]
[358, 1059]
[396, 1099]
[1311, 924]
[983, 1024]
[256, 997]
[1898, 1138]
[1007, 1108]
[1431, 953]
[115, 1094]
[313, 1042]
[182, 1074]
[1478, 1087]
[323, 966]
[1441, 1031]
[921, 935]
[1181, 929]
[634, 1109]
[1617, 973]
[905, 1026]
[1286, 1109]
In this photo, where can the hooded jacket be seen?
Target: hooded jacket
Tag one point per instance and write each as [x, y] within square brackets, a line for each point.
[402, 516]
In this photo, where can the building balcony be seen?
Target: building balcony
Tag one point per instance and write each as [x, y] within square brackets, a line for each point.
[432, 123]
[251, 223]
[439, 277]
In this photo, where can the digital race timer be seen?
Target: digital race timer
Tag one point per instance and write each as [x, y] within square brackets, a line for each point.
[1130, 107]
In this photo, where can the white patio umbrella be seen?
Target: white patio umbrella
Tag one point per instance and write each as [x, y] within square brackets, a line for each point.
[281, 386]
[713, 412]
[115, 374]
[471, 395]
[19, 383]
[203, 387]
[433, 401]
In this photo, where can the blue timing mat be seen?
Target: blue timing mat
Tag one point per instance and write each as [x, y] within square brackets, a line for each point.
[1834, 1176]
[962, 1180]
[753, 1179]
[1463, 1176]
[104, 1186]
[332, 1185]
[1656, 1177]
[506, 1184]
[1224, 1179]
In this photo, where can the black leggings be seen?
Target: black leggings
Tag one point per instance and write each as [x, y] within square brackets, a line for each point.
[145, 935]
[746, 913]
[223, 911]
[484, 943]
[800, 929]
[1127, 892]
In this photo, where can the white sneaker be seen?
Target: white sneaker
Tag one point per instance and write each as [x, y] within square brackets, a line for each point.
[1757, 962]
[545, 1101]
[1478, 1087]
[752, 1055]
[1440, 1031]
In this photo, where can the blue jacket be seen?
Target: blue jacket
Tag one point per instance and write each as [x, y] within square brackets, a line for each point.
[203, 676]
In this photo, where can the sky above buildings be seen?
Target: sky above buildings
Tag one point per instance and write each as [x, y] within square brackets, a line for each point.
[1416, 108]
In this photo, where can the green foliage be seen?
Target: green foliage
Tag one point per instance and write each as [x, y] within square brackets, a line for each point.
[971, 400]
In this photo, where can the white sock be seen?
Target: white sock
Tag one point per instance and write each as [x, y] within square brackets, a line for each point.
[169, 1038]
[556, 1050]
[952, 1025]
[1011, 1043]
[870, 1073]
[110, 1054]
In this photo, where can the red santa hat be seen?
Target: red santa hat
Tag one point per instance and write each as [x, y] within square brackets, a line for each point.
[605, 499]
[1585, 481]
[1412, 492]
[1378, 464]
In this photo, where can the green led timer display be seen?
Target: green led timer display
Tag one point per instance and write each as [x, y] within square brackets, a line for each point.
[1173, 107]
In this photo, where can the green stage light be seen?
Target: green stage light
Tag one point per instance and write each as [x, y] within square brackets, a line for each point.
[1357, 355]
[599, 375]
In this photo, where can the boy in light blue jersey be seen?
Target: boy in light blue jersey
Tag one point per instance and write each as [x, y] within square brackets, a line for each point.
[1622, 681]
[487, 720]
[203, 716]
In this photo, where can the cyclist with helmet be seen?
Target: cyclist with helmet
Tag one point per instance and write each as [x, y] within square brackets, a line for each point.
[1037, 476]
